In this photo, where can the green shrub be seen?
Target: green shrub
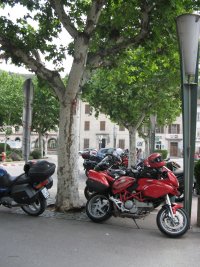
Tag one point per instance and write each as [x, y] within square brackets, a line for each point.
[15, 156]
[197, 176]
[2, 147]
[163, 152]
[36, 154]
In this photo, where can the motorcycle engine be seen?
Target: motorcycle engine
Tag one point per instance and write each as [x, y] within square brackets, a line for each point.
[130, 205]
[135, 206]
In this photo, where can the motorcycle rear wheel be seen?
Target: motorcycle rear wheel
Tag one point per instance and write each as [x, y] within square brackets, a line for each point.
[36, 208]
[99, 207]
[172, 227]
[88, 193]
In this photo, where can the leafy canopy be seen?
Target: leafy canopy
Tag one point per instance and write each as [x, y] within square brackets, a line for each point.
[141, 83]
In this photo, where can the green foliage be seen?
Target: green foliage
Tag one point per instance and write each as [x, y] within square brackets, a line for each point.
[163, 152]
[11, 99]
[45, 104]
[14, 155]
[2, 148]
[142, 83]
[197, 176]
[45, 108]
[35, 154]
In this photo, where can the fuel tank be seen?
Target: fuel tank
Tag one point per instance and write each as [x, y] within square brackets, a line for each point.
[154, 188]
[122, 183]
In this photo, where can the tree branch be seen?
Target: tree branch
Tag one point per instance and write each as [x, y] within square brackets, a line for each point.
[64, 18]
[99, 59]
[93, 16]
[35, 65]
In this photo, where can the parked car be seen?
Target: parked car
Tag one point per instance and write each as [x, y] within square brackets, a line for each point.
[90, 151]
[103, 151]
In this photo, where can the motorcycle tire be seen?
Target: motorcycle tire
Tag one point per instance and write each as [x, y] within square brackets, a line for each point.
[172, 227]
[88, 193]
[86, 172]
[37, 207]
[99, 208]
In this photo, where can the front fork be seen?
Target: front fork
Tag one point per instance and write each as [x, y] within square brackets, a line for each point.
[172, 207]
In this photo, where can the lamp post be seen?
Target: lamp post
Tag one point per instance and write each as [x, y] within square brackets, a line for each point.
[188, 29]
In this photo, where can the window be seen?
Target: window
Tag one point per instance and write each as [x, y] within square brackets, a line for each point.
[86, 143]
[87, 126]
[121, 128]
[174, 129]
[87, 109]
[122, 143]
[160, 130]
[102, 125]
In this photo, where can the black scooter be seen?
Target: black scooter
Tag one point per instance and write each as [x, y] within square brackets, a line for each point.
[28, 190]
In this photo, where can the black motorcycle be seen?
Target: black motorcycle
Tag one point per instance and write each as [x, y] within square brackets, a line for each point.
[90, 162]
[29, 191]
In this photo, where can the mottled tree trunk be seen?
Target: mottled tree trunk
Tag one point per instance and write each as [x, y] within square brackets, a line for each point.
[146, 149]
[40, 144]
[132, 146]
[68, 172]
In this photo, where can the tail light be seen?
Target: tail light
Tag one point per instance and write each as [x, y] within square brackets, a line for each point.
[41, 184]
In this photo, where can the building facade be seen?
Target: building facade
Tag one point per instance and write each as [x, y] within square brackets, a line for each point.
[101, 132]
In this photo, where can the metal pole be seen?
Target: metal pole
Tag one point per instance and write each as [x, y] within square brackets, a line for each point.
[188, 29]
[189, 134]
[27, 118]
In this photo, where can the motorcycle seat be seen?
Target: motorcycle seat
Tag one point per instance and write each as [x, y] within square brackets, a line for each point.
[9, 180]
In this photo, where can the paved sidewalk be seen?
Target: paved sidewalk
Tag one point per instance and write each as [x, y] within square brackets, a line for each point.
[148, 222]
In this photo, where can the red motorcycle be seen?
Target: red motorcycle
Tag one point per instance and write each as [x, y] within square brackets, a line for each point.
[136, 197]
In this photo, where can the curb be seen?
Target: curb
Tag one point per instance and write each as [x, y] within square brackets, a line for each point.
[12, 164]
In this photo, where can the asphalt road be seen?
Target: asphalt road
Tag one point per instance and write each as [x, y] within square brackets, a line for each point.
[34, 242]
[60, 241]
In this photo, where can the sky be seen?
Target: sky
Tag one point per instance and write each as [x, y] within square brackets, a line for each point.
[64, 38]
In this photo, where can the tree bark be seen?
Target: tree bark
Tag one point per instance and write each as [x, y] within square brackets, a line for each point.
[132, 146]
[68, 173]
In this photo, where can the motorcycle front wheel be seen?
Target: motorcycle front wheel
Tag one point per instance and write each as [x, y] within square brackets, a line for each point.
[172, 227]
[36, 208]
[99, 207]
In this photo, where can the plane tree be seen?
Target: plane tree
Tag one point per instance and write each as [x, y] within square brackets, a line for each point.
[141, 84]
[100, 31]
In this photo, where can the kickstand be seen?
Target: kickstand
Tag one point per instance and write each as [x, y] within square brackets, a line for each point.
[136, 223]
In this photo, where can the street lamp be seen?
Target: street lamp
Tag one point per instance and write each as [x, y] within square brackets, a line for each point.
[188, 29]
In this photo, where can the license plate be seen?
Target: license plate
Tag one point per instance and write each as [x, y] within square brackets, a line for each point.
[45, 192]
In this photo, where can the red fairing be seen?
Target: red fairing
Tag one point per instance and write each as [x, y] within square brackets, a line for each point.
[98, 176]
[155, 188]
[173, 179]
[122, 184]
